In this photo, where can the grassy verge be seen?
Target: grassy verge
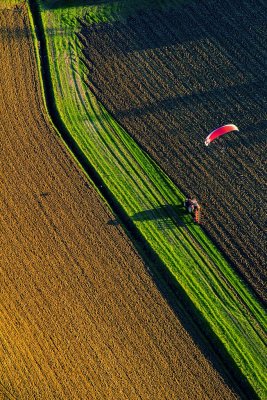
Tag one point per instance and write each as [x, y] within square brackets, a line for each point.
[149, 201]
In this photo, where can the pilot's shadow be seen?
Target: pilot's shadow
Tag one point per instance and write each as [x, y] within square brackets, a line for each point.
[166, 216]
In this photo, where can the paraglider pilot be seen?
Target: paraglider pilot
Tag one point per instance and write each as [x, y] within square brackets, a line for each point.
[191, 204]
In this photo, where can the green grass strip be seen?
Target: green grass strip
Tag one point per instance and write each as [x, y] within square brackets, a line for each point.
[151, 200]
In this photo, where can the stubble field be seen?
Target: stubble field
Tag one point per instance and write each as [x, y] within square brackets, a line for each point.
[80, 316]
[170, 77]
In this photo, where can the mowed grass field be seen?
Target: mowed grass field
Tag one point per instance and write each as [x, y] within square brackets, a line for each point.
[170, 76]
[81, 318]
[226, 310]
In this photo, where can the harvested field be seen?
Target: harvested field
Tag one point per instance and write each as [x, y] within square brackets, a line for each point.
[81, 318]
[9, 4]
[170, 77]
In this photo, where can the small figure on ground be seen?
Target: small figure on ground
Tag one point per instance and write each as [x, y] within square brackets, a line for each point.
[187, 203]
[192, 206]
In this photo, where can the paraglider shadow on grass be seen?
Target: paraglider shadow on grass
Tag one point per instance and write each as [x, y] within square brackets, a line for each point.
[166, 216]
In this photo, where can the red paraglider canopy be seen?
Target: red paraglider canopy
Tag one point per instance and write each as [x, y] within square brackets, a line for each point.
[219, 132]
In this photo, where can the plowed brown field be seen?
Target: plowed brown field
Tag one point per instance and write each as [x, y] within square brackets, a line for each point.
[80, 316]
[170, 77]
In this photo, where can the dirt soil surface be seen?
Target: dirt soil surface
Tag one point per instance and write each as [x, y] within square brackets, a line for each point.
[170, 78]
[81, 317]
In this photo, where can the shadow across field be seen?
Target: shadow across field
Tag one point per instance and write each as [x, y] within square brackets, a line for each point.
[122, 5]
[204, 96]
[52, 4]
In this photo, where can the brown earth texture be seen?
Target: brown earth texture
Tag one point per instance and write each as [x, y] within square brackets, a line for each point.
[172, 76]
[81, 317]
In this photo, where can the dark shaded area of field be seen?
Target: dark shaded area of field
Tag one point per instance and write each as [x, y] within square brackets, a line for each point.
[170, 77]
[72, 3]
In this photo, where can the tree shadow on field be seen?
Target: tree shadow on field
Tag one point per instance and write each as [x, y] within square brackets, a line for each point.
[124, 5]
[52, 4]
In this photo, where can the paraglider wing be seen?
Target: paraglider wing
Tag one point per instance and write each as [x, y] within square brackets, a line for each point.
[219, 132]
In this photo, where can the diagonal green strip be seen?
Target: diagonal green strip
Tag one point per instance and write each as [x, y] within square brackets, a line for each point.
[150, 199]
